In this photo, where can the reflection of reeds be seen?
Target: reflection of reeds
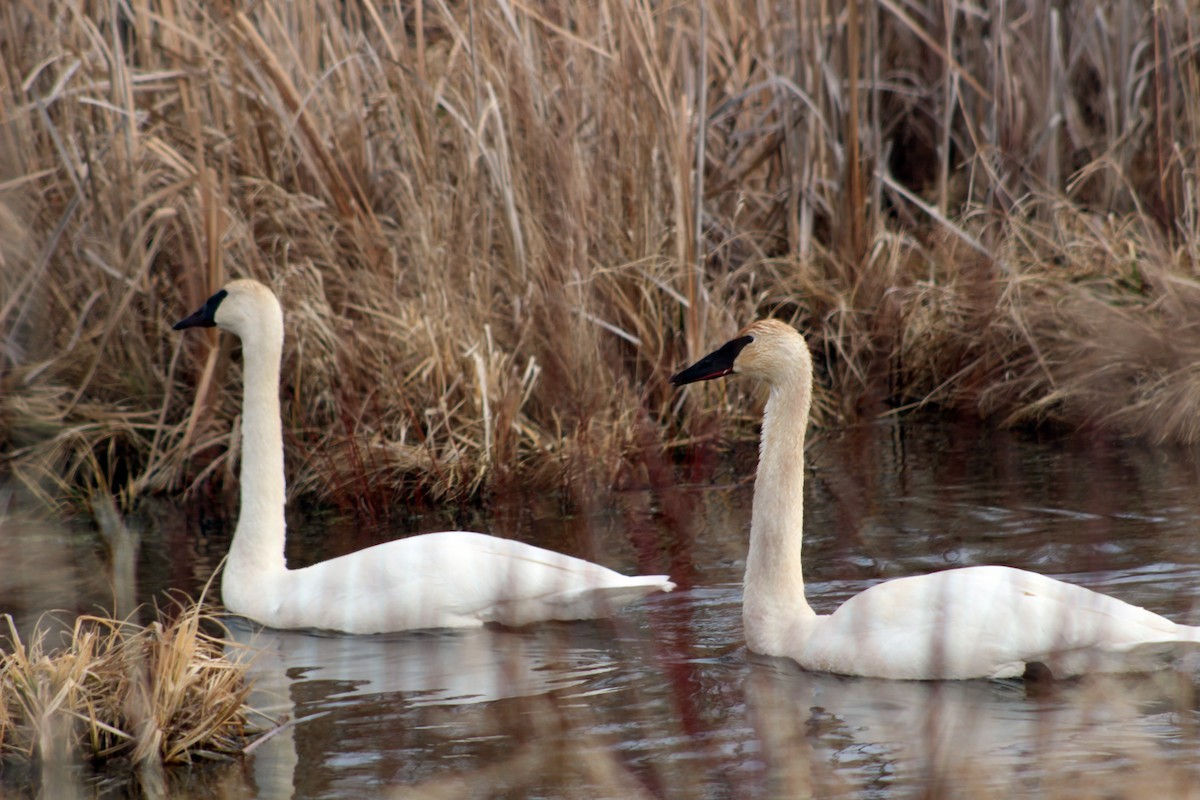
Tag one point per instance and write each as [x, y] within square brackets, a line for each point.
[557, 757]
[493, 241]
[164, 693]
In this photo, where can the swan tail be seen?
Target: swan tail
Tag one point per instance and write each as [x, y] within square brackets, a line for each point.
[1172, 650]
[592, 602]
[602, 601]
[1182, 638]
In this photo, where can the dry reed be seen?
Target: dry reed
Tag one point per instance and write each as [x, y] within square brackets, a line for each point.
[493, 242]
[160, 694]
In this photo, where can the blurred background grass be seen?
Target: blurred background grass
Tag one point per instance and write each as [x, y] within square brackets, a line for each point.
[497, 228]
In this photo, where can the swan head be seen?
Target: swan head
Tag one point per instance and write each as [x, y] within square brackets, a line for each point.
[770, 350]
[244, 307]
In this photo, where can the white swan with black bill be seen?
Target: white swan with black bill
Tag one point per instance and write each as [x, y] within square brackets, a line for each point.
[973, 622]
[434, 580]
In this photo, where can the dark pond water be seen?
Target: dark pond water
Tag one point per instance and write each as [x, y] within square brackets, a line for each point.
[664, 700]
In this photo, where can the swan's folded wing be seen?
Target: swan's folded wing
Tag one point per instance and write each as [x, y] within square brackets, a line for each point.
[514, 583]
[458, 579]
[989, 622]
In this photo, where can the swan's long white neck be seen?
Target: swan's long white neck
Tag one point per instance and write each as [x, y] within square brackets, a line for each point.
[774, 584]
[259, 538]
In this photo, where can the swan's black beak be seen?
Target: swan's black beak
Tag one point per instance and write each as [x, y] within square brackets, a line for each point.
[205, 316]
[716, 364]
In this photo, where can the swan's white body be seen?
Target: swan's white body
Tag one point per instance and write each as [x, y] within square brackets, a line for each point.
[435, 580]
[974, 622]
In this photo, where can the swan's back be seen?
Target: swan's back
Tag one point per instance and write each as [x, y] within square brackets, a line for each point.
[991, 621]
[438, 580]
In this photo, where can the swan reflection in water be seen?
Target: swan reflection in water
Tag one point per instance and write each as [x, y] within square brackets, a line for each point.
[833, 734]
[431, 667]
[435, 709]
[300, 677]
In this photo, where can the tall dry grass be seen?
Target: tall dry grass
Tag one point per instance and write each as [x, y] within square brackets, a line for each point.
[497, 227]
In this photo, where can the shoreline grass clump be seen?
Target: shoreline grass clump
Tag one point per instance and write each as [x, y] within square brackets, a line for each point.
[498, 228]
[120, 692]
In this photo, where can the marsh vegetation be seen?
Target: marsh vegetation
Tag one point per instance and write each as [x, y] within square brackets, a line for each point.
[497, 228]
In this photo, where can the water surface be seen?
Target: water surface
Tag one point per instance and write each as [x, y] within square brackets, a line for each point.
[664, 700]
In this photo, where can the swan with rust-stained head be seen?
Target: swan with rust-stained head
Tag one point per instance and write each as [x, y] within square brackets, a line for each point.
[435, 580]
[973, 622]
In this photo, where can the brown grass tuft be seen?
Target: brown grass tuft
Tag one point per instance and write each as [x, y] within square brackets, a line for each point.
[160, 694]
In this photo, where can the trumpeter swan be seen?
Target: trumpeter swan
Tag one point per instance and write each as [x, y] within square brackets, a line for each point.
[973, 622]
[435, 580]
